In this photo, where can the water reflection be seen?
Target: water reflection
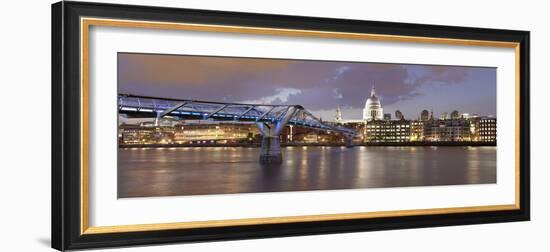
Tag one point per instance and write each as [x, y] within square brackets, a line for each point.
[221, 170]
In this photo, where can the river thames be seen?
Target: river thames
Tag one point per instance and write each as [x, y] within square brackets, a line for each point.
[153, 172]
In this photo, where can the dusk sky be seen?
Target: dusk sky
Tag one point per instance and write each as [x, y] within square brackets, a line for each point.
[319, 86]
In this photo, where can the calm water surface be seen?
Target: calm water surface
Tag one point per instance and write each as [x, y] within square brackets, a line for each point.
[145, 172]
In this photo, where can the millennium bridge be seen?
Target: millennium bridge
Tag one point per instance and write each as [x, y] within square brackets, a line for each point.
[270, 119]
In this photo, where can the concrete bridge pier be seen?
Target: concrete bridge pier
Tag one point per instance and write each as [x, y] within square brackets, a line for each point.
[270, 152]
[349, 141]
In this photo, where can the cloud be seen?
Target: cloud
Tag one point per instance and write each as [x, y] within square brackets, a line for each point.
[281, 96]
[340, 71]
[436, 75]
[337, 94]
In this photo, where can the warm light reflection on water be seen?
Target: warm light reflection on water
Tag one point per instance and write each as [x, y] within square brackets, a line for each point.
[221, 170]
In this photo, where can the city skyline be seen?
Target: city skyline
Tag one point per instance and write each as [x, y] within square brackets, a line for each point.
[320, 86]
[193, 125]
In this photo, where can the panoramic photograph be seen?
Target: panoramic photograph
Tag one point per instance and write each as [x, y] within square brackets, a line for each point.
[202, 125]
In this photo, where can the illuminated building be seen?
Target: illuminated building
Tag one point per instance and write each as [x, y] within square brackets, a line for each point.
[308, 135]
[311, 137]
[447, 130]
[145, 133]
[215, 133]
[315, 137]
[133, 134]
[357, 125]
[373, 108]
[417, 130]
[486, 129]
[388, 131]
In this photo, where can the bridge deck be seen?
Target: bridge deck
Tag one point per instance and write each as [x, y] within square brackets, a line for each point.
[153, 107]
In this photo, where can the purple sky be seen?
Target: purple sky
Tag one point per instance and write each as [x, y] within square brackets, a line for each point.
[319, 86]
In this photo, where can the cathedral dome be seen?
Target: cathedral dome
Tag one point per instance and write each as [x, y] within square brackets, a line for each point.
[373, 102]
[373, 107]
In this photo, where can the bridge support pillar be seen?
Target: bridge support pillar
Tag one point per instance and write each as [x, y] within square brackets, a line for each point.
[349, 141]
[270, 152]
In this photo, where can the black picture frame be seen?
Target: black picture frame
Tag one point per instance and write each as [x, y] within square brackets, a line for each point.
[66, 141]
